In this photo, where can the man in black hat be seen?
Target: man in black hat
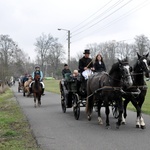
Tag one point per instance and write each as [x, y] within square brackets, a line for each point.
[85, 65]
[85, 62]
[65, 70]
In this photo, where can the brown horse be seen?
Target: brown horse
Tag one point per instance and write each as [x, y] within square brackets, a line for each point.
[37, 90]
[26, 86]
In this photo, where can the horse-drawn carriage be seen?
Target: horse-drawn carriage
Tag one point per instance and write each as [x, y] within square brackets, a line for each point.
[74, 95]
[109, 89]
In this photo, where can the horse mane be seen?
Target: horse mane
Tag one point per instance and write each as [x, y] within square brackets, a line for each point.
[115, 66]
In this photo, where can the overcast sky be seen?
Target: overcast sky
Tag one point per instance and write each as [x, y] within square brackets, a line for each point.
[89, 21]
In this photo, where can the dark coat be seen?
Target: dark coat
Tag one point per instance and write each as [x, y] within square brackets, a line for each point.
[64, 71]
[83, 62]
[24, 79]
[99, 67]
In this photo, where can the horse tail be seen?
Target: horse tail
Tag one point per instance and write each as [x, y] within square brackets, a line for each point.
[87, 106]
[89, 102]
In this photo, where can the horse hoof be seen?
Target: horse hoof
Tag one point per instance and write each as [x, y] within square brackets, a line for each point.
[137, 126]
[143, 127]
[123, 123]
[107, 126]
[117, 125]
[100, 121]
[89, 118]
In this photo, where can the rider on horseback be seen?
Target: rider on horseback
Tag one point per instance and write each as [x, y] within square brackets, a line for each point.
[40, 73]
[25, 78]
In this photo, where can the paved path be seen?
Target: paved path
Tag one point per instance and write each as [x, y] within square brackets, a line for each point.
[55, 130]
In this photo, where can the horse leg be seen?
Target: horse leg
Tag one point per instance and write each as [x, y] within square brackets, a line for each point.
[142, 98]
[124, 115]
[138, 110]
[100, 121]
[39, 100]
[142, 123]
[120, 108]
[34, 100]
[27, 89]
[89, 107]
[107, 111]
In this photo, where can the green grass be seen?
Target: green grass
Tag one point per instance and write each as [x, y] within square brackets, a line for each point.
[15, 133]
[53, 86]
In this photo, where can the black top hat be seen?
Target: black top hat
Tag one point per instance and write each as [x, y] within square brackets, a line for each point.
[86, 51]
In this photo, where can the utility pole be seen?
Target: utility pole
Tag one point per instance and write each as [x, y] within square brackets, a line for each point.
[69, 47]
[68, 44]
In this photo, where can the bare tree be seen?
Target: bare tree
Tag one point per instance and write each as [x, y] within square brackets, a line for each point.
[55, 56]
[12, 58]
[43, 45]
[142, 44]
[123, 50]
[8, 48]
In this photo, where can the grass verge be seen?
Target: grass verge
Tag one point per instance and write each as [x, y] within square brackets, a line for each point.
[15, 133]
[52, 86]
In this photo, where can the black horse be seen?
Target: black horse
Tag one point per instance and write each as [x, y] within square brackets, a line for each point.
[104, 89]
[37, 90]
[140, 70]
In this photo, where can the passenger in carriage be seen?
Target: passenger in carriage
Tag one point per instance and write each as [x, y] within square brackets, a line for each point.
[99, 64]
[75, 73]
[65, 70]
[40, 73]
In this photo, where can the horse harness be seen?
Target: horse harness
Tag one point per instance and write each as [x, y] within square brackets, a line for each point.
[107, 88]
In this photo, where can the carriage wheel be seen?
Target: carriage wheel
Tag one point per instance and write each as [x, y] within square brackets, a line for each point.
[115, 111]
[63, 100]
[76, 106]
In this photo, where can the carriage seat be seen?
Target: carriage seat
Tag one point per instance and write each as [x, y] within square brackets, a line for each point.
[72, 82]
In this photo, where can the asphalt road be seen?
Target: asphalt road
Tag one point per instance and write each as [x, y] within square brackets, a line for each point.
[55, 130]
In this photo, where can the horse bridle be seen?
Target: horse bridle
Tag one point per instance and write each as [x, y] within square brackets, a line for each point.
[141, 65]
[127, 75]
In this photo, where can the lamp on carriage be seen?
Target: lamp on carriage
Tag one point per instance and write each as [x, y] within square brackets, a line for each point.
[68, 44]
